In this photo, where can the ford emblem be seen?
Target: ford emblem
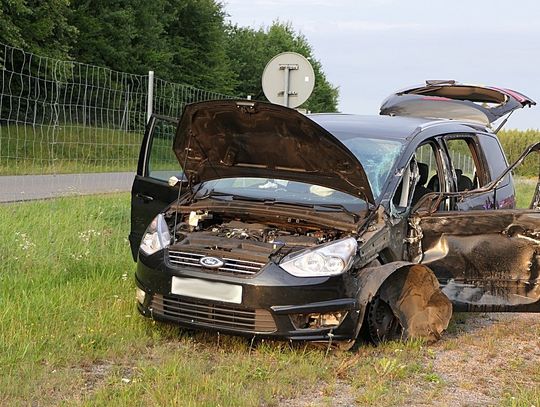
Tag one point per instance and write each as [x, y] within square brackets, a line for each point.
[211, 262]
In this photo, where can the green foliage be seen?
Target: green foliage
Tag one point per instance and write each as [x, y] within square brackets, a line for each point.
[122, 35]
[39, 26]
[514, 142]
[183, 41]
[195, 36]
[249, 51]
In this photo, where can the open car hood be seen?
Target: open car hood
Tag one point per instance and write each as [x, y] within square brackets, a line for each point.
[453, 100]
[228, 138]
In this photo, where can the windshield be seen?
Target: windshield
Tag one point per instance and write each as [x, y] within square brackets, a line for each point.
[281, 190]
[377, 156]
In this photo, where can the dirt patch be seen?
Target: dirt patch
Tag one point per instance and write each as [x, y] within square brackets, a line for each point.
[340, 394]
[483, 360]
[479, 364]
[94, 374]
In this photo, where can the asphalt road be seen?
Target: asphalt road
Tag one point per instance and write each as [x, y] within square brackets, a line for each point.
[29, 187]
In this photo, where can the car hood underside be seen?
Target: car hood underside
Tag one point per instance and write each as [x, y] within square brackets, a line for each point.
[228, 138]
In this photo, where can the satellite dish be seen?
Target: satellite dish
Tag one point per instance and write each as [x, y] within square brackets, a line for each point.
[288, 79]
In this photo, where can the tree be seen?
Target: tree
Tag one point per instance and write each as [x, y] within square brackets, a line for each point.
[195, 32]
[249, 51]
[181, 40]
[124, 35]
[185, 41]
[38, 26]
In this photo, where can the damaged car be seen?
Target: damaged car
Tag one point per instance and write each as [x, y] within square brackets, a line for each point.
[253, 219]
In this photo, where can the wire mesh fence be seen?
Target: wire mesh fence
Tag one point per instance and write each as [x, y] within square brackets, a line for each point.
[65, 117]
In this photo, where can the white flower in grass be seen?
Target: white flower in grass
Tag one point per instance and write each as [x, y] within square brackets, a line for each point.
[24, 241]
[86, 235]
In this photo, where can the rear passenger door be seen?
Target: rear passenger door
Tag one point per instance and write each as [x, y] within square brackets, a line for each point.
[157, 163]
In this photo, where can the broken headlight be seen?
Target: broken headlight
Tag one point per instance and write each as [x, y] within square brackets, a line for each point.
[327, 260]
[156, 237]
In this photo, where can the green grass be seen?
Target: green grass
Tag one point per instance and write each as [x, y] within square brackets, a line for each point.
[525, 188]
[77, 149]
[70, 333]
[68, 149]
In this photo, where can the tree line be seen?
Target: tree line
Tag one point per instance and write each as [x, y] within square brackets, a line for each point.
[184, 41]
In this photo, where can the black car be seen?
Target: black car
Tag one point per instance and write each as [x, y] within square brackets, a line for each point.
[262, 221]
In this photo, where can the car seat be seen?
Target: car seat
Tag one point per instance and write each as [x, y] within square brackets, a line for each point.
[463, 182]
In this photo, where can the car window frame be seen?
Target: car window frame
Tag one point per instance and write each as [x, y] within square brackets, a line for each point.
[440, 162]
[145, 165]
[482, 168]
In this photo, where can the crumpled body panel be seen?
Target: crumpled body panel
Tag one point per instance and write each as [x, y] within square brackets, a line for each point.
[485, 260]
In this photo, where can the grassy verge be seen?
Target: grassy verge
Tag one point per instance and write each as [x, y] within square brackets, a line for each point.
[68, 149]
[525, 188]
[70, 335]
[76, 149]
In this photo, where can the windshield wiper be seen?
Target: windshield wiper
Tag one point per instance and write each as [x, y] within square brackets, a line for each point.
[314, 206]
[272, 201]
[218, 195]
[338, 207]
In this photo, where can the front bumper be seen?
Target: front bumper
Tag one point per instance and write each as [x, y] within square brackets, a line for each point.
[269, 299]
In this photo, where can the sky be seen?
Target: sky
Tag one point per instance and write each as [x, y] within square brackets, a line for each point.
[370, 48]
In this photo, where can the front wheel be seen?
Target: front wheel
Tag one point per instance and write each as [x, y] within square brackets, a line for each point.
[382, 323]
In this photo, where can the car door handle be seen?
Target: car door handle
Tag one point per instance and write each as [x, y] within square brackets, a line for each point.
[145, 198]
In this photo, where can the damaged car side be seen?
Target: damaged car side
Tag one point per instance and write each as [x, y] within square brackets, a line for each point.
[325, 227]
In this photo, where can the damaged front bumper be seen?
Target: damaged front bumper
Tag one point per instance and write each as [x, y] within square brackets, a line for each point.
[273, 303]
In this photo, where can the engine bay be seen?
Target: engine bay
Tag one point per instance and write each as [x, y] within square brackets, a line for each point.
[222, 234]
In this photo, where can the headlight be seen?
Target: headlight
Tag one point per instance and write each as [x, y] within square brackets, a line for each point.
[328, 260]
[156, 237]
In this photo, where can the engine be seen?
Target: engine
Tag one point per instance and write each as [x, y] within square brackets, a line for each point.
[208, 233]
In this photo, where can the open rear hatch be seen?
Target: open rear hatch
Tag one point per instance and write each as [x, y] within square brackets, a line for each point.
[228, 138]
[453, 100]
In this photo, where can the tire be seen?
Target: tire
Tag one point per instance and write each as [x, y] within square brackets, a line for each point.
[381, 322]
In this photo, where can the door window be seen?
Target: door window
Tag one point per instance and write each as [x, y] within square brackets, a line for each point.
[161, 160]
[422, 174]
[465, 161]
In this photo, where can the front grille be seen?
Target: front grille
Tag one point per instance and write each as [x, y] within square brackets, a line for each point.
[216, 316]
[230, 266]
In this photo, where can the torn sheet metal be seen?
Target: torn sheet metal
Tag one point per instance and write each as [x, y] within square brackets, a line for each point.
[485, 260]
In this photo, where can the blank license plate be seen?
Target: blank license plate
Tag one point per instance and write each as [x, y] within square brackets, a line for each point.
[206, 290]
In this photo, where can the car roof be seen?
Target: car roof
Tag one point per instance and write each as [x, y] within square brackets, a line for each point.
[388, 127]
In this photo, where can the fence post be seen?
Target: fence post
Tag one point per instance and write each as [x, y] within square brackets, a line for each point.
[56, 113]
[150, 96]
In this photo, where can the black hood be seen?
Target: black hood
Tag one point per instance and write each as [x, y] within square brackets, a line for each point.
[228, 139]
